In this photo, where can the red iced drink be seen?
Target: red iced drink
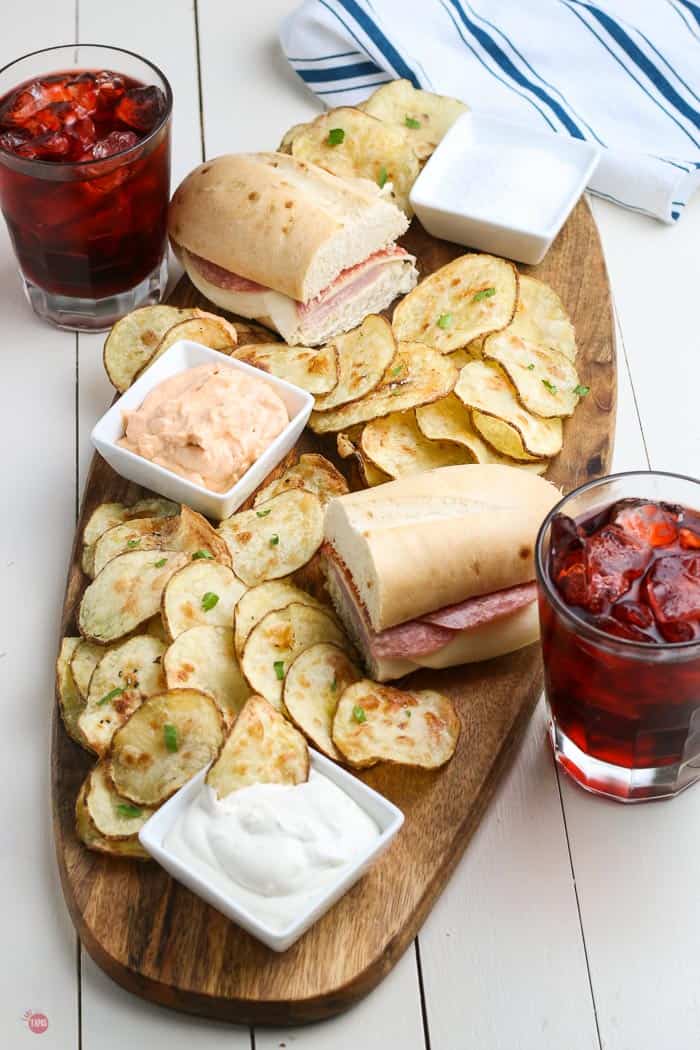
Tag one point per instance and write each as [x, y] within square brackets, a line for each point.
[84, 187]
[620, 618]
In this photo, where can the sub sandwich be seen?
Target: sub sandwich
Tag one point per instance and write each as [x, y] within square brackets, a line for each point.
[437, 569]
[284, 242]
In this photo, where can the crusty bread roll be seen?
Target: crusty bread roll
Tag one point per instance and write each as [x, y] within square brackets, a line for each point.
[435, 539]
[281, 222]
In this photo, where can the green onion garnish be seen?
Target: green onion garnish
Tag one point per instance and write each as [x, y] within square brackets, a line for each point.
[581, 390]
[125, 809]
[111, 695]
[274, 540]
[335, 136]
[382, 177]
[263, 513]
[170, 736]
[209, 600]
[550, 386]
[358, 713]
[444, 320]
[160, 563]
[279, 669]
[201, 554]
[411, 122]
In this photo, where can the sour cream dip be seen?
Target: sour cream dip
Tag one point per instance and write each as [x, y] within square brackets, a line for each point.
[208, 424]
[273, 848]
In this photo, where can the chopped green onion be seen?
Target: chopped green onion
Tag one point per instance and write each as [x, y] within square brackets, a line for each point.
[581, 390]
[279, 669]
[407, 712]
[263, 513]
[531, 367]
[411, 122]
[160, 563]
[209, 600]
[397, 371]
[382, 177]
[358, 713]
[170, 736]
[133, 543]
[125, 809]
[201, 554]
[274, 540]
[444, 320]
[485, 293]
[550, 386]
[111, 695]
[335, 136]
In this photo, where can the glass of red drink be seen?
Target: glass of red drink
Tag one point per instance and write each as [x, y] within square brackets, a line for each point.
[618, 572]
[85, 180]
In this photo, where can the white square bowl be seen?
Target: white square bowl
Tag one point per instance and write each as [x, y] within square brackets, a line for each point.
[384, 813]
[542, 173]
[217, 505]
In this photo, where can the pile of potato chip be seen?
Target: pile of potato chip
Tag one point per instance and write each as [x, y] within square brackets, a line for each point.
[386, 138]
[199, 645]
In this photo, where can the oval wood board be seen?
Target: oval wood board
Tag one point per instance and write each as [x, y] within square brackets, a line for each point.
[160, 941]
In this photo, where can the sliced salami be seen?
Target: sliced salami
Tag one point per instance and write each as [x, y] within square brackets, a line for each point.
[224, 278]
[482, 609]
[414, 638]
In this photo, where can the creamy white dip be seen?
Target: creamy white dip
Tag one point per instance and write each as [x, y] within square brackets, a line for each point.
[273, 848]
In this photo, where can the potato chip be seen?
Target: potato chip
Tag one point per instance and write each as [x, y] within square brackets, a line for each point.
[275, 539]
[545, 379]
[259, 601]
[396, 445]
[203, 592]
[450, 420]
[369, 474]
[350, 143]
[187, 531]
[165, 742]
[278, 639]
[363, 355]
[423, 117]
[285, 145]
[204, 658]
[88, 834]
[208, 329]
[541, 318]
[108, 515]
[262, 748]
[312, 688]
[314, 370]
[83, 662]
[377, 723]
[132, 341]
[468, 297]
[314, 473]
[416, 376]
[114, 817]
[71, 703]
[124, 677]
[501, 419]
[126, 593]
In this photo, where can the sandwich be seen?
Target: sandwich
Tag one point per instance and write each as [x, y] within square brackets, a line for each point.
[283, 242]
[437, 569]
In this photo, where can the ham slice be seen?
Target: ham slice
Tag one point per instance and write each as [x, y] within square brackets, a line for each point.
[483, 608]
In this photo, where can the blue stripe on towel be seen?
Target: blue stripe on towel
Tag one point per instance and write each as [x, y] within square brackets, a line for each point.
[326, 58]
[354, 87]
[379, 40]
[320, 76]
[693, 9]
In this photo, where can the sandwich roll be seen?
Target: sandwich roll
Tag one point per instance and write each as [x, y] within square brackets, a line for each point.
[437, 569]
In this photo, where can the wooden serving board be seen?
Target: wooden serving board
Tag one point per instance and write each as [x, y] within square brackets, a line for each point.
[160, 941]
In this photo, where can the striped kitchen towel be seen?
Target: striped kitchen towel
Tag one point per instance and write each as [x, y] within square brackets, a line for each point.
[622, 73]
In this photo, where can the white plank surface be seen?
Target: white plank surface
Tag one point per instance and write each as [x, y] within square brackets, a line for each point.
[503, 959]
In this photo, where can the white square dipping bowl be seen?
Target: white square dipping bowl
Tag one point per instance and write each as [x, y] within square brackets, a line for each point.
[217, 505]
[524, 184]
[384, 813]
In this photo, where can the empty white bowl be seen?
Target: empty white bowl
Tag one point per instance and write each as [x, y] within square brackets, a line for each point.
[217, 505]
[385, 814]
[502, 188]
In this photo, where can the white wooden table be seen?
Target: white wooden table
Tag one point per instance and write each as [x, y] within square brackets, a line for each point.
[571, 923]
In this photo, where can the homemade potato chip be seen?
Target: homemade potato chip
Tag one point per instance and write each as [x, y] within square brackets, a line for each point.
[91, 837]
[285, 145]
[165, 742]
[188, 532]
[363, 355]
[132, 341]
[126, 593]
[369, 474]
[278, 639]
[114, 817]
[351, 143]
[398, 448]
[313, 473]
[468, 297]
[204, 658]
[312, 688]
[540, 317]
[276, 539]
[377, 723]
[501, 419]
[262, 748]
[203, 592]
[314, 370]
[122, 680]
[71, 703]
[259, 601]
[545, 379]
[423, 117]
[83, 662]
[416, 376]
[108, 515]
[208, 329]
